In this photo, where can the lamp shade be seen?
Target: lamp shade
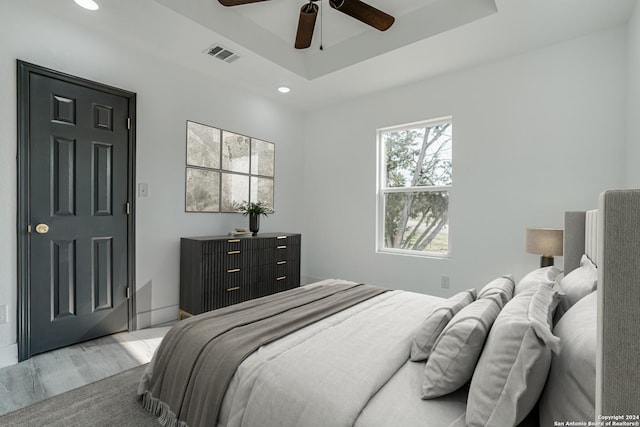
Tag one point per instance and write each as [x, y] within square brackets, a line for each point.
[544, 241]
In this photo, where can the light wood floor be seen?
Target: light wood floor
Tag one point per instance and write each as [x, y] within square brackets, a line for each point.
[55, 372]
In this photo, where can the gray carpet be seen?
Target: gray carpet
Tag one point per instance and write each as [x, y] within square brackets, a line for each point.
[108, 402]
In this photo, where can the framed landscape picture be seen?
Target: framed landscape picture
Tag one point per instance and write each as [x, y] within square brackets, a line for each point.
[261, 190]
[203, 146]
[202, 190]
[235, 189]
[262, 158]
[235, 152]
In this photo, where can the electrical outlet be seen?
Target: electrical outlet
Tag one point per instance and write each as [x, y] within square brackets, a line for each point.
[444, 282]
[3, 313]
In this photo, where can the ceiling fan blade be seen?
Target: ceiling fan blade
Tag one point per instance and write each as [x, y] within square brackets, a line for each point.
[237, 2]
[364, 12]
[306, 24]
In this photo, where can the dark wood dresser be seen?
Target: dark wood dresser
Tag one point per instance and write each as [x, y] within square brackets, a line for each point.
[222, 270]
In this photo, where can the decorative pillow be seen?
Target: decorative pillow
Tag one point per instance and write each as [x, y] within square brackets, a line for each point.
[515, 362]
[456, 351]
[534, 278]
[430, 330]
[571, 387]
[502, 286]
[580, 282]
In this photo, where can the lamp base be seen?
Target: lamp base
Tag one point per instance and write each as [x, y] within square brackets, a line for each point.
[546, 261]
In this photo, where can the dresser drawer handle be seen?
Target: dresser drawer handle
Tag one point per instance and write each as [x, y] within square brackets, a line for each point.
[233, 241]
[281, 247]
[281, 237]
[281, 278]
[233, 270]
[281, 262]
[233, 252]
[233, 289]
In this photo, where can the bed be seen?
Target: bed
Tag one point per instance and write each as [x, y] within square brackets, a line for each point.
[338, 353]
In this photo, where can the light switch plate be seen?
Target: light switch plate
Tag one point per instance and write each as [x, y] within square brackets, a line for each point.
[143, 190]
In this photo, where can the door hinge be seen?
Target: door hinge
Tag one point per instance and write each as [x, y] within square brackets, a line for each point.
[128, 293]
[129, 123]
[127, 208]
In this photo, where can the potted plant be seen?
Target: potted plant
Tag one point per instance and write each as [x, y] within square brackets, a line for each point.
[254, 210]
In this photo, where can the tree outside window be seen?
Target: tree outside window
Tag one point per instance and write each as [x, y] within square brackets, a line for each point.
[414, 188]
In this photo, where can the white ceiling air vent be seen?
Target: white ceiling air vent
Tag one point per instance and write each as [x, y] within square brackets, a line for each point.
[222, 53]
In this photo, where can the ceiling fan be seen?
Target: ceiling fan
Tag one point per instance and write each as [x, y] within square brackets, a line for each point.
[309, 12]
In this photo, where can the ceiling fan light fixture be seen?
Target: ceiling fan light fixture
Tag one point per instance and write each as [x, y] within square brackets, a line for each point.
[88, 4]
[284, 89]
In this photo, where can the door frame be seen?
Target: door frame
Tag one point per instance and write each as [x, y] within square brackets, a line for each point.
[24, 70]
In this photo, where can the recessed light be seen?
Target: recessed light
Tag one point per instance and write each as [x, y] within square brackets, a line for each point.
[88, 4]
[284, 89]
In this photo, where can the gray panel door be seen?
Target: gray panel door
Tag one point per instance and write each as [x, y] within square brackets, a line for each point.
[78, 150]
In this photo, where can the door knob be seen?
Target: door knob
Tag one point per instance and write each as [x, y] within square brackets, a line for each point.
[42, 228]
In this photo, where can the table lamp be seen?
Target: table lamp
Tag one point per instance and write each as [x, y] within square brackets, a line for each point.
[546, 242]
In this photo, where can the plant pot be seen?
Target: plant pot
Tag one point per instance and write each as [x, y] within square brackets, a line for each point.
[254, 224]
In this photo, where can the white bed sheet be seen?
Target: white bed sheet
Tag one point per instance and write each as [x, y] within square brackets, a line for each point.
[389, 408]
[349, 369]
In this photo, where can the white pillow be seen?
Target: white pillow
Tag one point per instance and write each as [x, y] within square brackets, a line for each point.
[502, 286]
[430, 330]
[540, 275]
[456, 351]
[580, 282]
[571, 386]
[514, 364]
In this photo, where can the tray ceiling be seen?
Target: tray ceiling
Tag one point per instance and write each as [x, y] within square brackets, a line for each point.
[268, 29]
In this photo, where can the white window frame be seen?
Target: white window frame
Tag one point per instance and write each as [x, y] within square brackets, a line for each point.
[382, 190]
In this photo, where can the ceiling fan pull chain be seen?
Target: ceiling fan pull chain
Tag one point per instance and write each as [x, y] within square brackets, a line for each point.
[321, 27]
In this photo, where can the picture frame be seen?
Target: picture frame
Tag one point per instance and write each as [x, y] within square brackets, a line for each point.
[234, 190]
[202, 190]
[203, 145]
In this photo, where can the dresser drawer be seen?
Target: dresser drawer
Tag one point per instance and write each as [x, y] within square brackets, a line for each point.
[279, 253]
[225, 245]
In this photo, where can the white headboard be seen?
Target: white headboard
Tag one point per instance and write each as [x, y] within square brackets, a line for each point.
[591, 235]
[610, 236]
[580, 237]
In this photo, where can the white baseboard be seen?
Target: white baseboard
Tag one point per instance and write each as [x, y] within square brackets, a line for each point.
[8, 355]
[158, 316]
[305, 280]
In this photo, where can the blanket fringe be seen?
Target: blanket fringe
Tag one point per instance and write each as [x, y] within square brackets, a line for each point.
[158, 408]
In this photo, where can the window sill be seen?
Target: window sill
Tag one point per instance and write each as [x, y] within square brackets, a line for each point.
[415, 254]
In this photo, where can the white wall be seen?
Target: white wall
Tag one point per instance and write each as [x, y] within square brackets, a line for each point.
[168, 95]
[534, 135]
[633, 100]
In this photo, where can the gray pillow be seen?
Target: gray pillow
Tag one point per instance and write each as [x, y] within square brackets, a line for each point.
[430, 330]
[580, 282]
[502, 286]
[514, 364]
[534, 278]
[570, 392]
[456, 351]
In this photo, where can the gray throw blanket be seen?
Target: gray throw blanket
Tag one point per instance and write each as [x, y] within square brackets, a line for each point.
[198, 357]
